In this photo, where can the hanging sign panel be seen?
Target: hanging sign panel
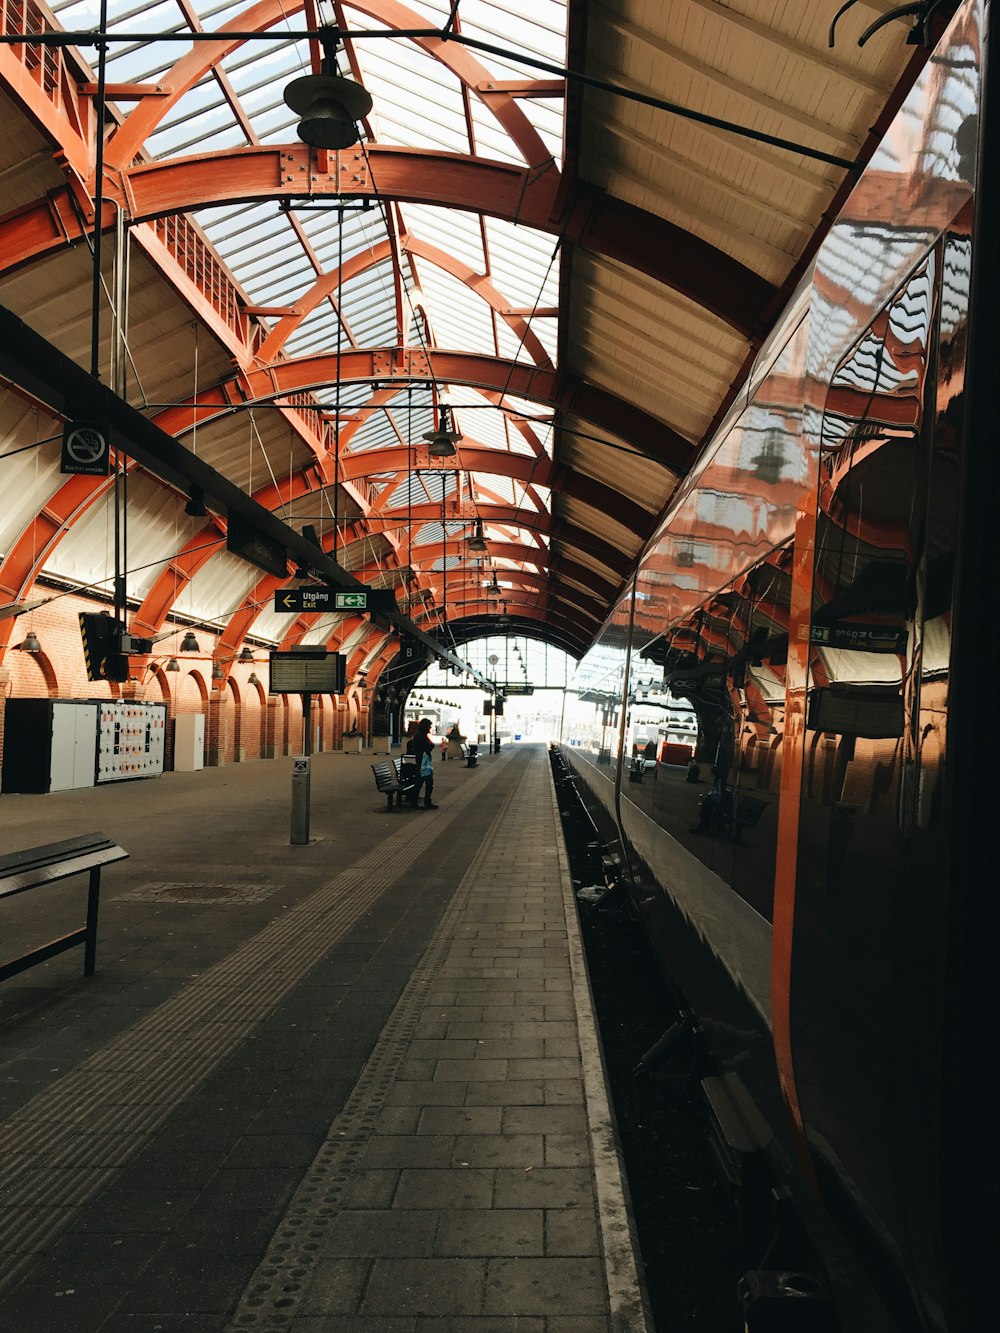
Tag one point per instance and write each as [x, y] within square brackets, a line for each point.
[244, 540]
[320, 597]
[85, 450]
[302, 672]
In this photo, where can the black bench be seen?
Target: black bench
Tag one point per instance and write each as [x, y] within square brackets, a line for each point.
[35, 866]
[392, 781]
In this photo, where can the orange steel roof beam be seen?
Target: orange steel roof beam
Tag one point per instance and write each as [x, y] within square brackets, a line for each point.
[591, 219]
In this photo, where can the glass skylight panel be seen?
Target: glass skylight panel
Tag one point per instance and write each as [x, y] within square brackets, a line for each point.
[449, 228]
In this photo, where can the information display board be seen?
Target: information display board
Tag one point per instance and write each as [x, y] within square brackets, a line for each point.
[301, 671]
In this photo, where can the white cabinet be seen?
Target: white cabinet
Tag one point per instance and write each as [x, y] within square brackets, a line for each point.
[74, 740]
[189, 742]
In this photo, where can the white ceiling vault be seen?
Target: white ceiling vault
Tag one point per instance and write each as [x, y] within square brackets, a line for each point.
[581, 276]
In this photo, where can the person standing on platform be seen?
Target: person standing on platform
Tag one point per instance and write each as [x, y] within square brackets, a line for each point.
[455, 739]
[423, 748]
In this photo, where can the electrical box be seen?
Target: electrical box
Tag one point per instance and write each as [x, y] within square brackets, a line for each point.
[131, 738]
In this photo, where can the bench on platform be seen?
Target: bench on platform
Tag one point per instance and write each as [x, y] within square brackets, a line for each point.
[745, 814]
[34, 866]
[391, 780]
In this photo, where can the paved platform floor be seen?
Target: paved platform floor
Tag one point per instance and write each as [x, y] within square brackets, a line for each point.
[352, 1085]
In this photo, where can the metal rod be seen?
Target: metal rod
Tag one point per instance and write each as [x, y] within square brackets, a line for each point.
[95, 294]
[93, 906]
[443, 34]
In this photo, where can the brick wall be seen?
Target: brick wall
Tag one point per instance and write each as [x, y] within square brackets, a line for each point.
[243, 722]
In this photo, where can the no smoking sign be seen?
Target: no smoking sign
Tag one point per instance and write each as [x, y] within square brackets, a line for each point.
[85, 449]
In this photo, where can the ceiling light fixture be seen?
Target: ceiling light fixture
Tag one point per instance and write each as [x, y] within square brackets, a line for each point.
[189, 644]
[30, 644]
[172, 665]
[328, 105]
[442, 441]
[477, 542]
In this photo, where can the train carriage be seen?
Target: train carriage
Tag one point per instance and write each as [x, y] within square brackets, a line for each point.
[818, 593]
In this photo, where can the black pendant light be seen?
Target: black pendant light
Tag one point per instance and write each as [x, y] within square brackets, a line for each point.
[327, 104]
[477, 542]
[442, 441]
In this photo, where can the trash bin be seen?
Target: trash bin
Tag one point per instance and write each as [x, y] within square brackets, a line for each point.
[471, 756]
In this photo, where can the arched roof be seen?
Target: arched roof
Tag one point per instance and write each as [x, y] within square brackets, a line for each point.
[526, 232]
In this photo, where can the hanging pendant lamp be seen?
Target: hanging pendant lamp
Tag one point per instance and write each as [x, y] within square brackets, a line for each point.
[477, 542]
[328, 105]
[442, 441]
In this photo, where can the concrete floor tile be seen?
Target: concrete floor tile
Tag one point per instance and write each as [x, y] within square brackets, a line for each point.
[577, 1324]
[548, 1187]
[447, 1092]
[460, 1120]
[480, 1031]
[445, 1189]
[563, 1092]
[525, 1092]
[335, 1287]
[254, 1151]
[401, 1150]
[474, 1071]
[370, 1189]
[350, 1324]
[438, 1287]
[515, 1150]
[448, 1049]
[490, 1232]
[481, 1324]
[398, 1120]
[389, 1232]
[544, 1120]
[567, 1149]
[545, 1287]
[558, 1068]
[189, 1283]
[572, 1231]
[509, 1048]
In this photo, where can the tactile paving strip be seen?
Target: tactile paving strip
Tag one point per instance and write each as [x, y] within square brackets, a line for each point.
[137, 1080]
[277, 1288]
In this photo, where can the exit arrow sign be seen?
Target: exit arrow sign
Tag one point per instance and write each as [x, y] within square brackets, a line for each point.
[318, 597]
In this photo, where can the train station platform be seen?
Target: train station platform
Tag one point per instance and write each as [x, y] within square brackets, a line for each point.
[350, 1085]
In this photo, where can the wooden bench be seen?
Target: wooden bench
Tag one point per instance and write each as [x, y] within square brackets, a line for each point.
[392, 781]
[35, 866]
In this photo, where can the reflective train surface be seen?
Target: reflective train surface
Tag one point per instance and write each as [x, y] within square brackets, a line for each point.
[819, 886]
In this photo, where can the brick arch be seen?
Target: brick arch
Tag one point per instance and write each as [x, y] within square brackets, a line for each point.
[32, 670]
